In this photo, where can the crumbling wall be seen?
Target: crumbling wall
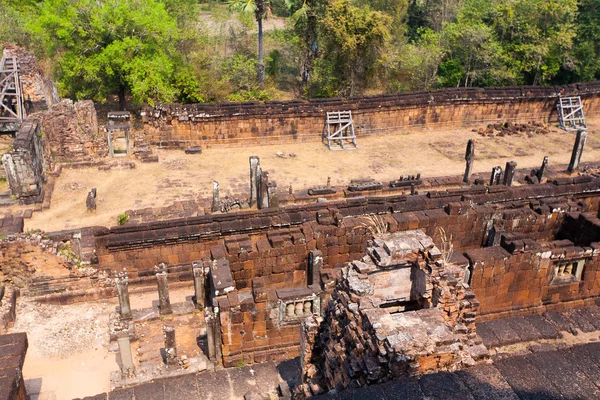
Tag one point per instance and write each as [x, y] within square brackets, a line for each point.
[268, 252]
[367, 336]
[39, 91]
[24, 165]
[174, 125]
[70, 131]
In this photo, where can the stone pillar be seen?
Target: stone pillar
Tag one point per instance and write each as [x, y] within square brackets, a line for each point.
[577, 150]
[273, 196]
[469, 157]
[496, 175]
[254, 165]
[164, 306]
[509, 173]
[199, 276]
[127, 368]
[542, 170]
[213, 336]
[216, 200]
[263, 190]
[315, 263]
[170, 345]
[122, 282]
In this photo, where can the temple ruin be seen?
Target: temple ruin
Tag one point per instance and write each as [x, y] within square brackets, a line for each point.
[473, 285]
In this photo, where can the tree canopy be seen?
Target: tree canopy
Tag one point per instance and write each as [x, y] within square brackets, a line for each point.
[205, 50]
[112, 46]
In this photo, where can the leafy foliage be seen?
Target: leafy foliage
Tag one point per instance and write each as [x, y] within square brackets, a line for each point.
[112, 46]
[169, 50]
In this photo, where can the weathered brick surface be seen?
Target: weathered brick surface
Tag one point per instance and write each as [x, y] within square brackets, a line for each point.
[175, 125]
[13, 348]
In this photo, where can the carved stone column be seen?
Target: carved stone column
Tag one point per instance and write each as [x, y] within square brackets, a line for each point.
[577, 150]
[122, 282]
[164, 302]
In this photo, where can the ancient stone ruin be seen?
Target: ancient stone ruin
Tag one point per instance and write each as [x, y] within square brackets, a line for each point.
[479, 283]
[403, 310]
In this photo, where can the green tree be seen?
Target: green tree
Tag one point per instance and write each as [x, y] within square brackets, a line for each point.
[259, 8]
[353, 39]
[421, 60]
[113, 46]
[587, 42]
[13, 17]
[538, 34]
[474, 57]
[305, 16]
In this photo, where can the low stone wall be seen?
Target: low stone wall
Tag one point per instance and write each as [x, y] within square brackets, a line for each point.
[267, 256]
[174, 125]
[8, 306]
[528, 278]
[465, 214]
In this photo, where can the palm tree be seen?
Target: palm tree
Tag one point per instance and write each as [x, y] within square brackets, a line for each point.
[260, 9]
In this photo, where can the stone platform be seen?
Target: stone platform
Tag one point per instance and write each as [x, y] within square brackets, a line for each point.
[572, 373]
[534, 328]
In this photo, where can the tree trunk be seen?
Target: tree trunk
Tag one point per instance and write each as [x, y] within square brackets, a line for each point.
[310, 53]
[122, 102]
[261, 65]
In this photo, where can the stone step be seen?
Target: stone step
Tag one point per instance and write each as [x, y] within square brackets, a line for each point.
[509, 331]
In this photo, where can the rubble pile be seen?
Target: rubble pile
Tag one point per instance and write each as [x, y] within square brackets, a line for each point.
[513, 128]
[403, 310]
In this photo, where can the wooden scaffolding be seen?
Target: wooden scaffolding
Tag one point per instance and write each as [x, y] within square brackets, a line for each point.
[11, 97]
[339, 131]
[570, 113]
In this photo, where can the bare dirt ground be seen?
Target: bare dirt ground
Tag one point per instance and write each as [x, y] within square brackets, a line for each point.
[68, 353]
[68, 349]
[178, 176]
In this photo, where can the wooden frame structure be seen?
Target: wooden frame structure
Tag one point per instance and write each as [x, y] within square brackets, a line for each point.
[570, 113]
[339, 131]
[11, 97]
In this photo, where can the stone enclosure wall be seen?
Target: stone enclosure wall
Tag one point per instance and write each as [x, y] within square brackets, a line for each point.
[174, 125]
[268, 252]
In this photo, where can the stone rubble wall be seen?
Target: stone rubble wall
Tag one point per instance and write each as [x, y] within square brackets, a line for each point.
[71, 133]
[175, 125]
[39, 91]
[24, 165]
[351, 346]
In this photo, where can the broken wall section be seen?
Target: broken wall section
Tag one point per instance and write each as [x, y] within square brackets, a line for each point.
[402, 310]
[24, 165]
[70, 132]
